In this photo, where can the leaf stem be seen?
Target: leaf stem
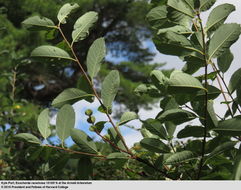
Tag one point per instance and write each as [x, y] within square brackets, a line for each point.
[75, 152]
[205, 99]
[91, 84]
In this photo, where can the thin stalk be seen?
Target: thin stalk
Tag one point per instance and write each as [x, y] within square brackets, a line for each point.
[222, 91]
[205, 99]
[92, 86]
[226, 86]
[75, 152]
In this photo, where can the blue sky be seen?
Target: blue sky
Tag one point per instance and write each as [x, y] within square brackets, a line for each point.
[131, 135]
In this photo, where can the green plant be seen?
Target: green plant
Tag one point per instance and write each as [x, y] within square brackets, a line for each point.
[210, 153]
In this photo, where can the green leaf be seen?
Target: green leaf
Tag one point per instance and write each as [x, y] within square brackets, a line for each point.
[43, 123]
[157, 16]
[230, 127]
[71, 96]
[154, 145]
[159, 79]
[155, 127]
[83, 25]
[50, 52]
[198, 107]
[38, 23]
[177, 29]
[222, 39]
[225, 60]
[170, 128]
[237, 166]
[114, 137]
[110, 88]
[177, 116]
[183, 83]
[221, 148]
[65, 11]
[65, 121]
[206, 4]
[235, 81]
[99, 126]
[213, 93]
[85, 143]
[27, 137]
[126, 117]
[181, 6]
[171, 43]
[85, 168]
[218, 16]
[117, 155]
[191, 131]
[180, 157]
[96, 55]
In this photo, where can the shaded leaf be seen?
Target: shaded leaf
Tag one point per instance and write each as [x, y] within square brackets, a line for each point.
[85, 168]
[126, 117]
[71, 96]
[206, 4]
[115, 138]
[213, 93]
[27, 137]
[230, 127]
[110, 88]
[223, 38]
[237, 166]
[43, 123]
[155, 127]
[177, 116]
[154, 145]
[191, 131]
[85, 143]
[96, 55]
[83, 25]
[65, 121]
[221, 148]
[117, 155]
[65, 11]
[99, 126]
[180, 157]
[235, 80]
[38, 23]
[225, 60]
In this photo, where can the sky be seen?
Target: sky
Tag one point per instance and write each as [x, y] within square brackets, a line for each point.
[131, 136]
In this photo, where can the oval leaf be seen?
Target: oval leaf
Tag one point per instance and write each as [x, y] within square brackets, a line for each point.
[70, 96]
[85, 168]
[154, 145]
[126, 117]
[221, 148]
[43, 123]
[110, 88]
[183, 83]
[191, 131]
[117, 155]
[96, 55]
[223, 38]
[27, 137]
[50, 52]
[65, 11]
[182, 7]
[177, 116]
[218, 16]
[235, 81]
[155, 127]
[206, 4]
[230, 127]
[180, 157]
[83, 25]
[225, 60]
[38, 23]
[85, 143]
[65, 121]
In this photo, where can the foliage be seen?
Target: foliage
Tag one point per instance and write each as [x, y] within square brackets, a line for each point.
[211, 152]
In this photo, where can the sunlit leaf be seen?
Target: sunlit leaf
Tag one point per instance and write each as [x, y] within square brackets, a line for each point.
[43, 123]
[65, 11]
